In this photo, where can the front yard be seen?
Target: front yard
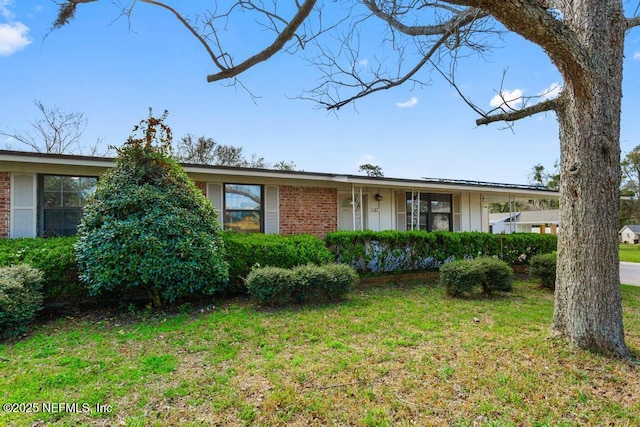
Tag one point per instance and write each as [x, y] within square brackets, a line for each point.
[629, 253]
[388, 355]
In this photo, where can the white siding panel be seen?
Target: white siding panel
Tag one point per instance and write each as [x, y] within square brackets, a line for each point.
[272, 210]
[214, 193]
[23, 205]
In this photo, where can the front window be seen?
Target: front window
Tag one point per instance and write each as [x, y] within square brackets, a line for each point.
[61, 201]
[427, 211]
[243, 208]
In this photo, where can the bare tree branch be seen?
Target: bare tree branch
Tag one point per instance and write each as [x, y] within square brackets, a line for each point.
[283, 37]
[633, 22]
[188, 26]
[54, 132]
[510, 116]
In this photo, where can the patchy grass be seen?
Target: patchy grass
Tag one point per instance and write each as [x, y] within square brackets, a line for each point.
[395, 354]
[629, 253]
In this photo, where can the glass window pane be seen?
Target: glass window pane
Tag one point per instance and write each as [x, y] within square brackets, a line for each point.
[52, 222]
[71, 200]
[52, 200]
[440, 222]
[53, 183]
[441, 203]
[242, 221]
[245, 197]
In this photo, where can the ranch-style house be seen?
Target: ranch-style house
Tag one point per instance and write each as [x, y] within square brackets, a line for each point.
[43, 195]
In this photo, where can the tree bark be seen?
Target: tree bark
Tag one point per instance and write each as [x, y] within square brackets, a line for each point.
[588, 309]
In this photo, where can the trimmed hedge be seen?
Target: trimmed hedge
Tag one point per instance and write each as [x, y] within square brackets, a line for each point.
[484, 273]
[274, 286]
[543, 268]
[20, 298]
[247, 250]
[398, 251]
[54, 256]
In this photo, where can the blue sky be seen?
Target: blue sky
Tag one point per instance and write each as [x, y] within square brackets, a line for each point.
[114, 70]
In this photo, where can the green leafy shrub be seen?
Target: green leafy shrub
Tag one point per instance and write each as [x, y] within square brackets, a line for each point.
[543, 268]
[398, 251]
[20, 298]
[148, 227]
[495, 274]
[54, 256]
[306, 283]
[468, 276]
[458, 277]
[246, 250]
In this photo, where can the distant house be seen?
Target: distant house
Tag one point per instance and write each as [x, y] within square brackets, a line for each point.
[543, 222]
[43, 195]
[630, 234]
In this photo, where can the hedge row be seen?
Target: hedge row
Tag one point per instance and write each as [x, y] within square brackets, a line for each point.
[244, 251]
[54, 256]
[395, 251]
[275, 286]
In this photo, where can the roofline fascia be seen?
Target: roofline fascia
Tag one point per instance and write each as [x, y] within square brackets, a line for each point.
[443, 185]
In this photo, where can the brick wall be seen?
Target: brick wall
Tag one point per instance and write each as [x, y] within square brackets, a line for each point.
[202, 186]
[5, 203]
[308, 210]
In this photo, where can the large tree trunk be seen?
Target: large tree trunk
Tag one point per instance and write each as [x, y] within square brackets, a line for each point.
[588, 310]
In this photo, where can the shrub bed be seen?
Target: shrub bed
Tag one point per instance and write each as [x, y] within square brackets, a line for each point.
[543, 268]
[468, 276]
[54, 257]
[20, 298]
[397, 251]
[271, 250]
[275, 286]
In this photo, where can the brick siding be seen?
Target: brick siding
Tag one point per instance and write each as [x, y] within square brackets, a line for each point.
[5, 204]
[202, 186]
[308, 210]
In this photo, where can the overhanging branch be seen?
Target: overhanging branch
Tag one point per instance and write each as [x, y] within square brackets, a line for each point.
[511, 116]
[283, 37]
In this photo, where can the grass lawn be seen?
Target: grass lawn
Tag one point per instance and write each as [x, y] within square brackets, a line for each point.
[629, 253]
[388, 355]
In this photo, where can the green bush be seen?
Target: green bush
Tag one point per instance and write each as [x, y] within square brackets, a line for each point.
[543, 268]
[399, 251]
[54, 256]
[458, 277]
[271, 250]
[495, 274]
[148, 227]
[484, 273]
[20, 298]
[306, 283]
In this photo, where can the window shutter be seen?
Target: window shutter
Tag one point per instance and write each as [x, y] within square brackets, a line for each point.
[214, 193]
[401, 211]
[23, 205]
[271, 210]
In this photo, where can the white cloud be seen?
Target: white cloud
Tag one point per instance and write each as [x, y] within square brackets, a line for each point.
[408, 104]
[363, 62]
[507, 99]
[13, 37]
[4, 9]
[636, 56]
[551, 92]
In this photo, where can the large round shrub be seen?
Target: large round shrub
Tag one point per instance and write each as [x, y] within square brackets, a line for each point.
[149, 227]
